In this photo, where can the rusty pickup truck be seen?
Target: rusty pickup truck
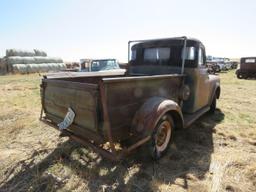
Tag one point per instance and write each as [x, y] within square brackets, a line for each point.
[166, 87]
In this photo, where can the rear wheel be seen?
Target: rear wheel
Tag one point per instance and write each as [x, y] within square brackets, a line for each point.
[162, 137]
[213, 104]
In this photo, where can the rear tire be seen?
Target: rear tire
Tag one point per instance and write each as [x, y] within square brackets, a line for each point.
[213, 104]
[162, 137]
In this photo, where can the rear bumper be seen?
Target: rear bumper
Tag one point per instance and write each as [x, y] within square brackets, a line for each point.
[112, 155]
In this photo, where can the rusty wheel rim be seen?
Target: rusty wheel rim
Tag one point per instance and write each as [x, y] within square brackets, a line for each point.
[163, 136]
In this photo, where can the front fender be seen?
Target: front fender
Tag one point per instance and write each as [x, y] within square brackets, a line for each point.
[147, 117]
[215, 88]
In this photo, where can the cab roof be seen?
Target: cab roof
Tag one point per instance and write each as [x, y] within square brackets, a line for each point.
[165, 42]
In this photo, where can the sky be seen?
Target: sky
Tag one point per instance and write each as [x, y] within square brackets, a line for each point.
[75, 29]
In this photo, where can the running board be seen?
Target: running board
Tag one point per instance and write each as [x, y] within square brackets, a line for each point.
[191, 118]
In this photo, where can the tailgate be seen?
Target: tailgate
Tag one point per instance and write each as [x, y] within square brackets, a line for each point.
[82, 98]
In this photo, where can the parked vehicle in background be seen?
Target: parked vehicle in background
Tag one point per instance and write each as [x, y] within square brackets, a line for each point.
[95, 65]
[223, 63]
[212, 67]
[165, 88]
[228, 65]
[234, 64]
[72, 66]
[222, 66]
[247, 68]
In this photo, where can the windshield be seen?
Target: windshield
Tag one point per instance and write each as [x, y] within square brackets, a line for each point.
[102, 65]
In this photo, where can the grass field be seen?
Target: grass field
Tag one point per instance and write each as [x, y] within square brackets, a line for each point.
[217, 153]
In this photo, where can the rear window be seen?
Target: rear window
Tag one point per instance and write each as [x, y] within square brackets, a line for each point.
[134, 54]
[249, 60]
[157, 54]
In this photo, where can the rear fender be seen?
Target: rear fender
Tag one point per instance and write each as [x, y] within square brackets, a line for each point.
[147, 117]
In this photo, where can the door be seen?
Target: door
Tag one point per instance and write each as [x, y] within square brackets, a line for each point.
[204, 83]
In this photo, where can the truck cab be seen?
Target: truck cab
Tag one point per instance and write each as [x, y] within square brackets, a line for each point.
[165, 56]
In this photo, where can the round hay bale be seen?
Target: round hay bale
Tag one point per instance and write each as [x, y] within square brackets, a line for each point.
[19, 68]
[33, 68]
[40, 67]
[62, 66]
[43, 67]
[39, 59]
[19, 52]
[55, 60]
[20, 60]
[51, 65]
[14, 60]
[46, 67]
[40, 53]
[28, 60]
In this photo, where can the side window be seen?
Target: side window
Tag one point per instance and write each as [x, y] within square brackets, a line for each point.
[249, 60]
[200, 57]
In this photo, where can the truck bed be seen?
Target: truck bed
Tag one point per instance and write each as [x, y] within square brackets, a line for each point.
[101, 101]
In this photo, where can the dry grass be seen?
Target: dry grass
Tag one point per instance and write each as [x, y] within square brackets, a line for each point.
[217, 153]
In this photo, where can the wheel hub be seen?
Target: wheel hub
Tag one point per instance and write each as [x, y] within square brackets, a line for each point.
[163, 135]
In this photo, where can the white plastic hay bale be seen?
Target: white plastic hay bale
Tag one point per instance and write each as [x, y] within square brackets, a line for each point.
[40, 67]
[56, 60]
[51, 65]
[28, 60]
[39, 59]
[62, 66]
[20, 68]
[34, 68]
[40, 53]
[19, 52]
[20, 60]
[14, 60]
[43, 67]
[48, 67]
[30, 68]
[58, 68]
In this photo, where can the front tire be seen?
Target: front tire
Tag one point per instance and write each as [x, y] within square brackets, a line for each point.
[240, 76]
[162, 137]
[217, 69]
